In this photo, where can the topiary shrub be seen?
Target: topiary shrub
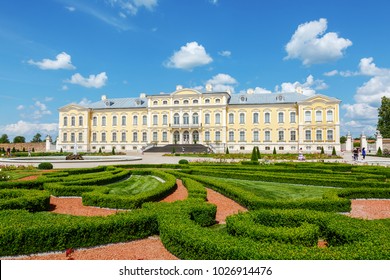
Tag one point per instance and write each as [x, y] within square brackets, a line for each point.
[227, 150]
[45, 165]
[379, 152]
[334, 152]
[183, 161]
[274, 152]
[254, 155]
[322, 151]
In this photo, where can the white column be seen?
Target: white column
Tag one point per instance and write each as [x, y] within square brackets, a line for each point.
[379, 142]
[363, 141]
[348, 144]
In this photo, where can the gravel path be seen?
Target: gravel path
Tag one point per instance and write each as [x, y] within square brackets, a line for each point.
[152, 248]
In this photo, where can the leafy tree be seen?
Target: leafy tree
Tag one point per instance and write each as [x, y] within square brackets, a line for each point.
[37, 138]
[19, 139]
[384, 117]
[343, 139]
[4, 138]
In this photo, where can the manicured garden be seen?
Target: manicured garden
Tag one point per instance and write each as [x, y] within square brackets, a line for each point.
[291, 206]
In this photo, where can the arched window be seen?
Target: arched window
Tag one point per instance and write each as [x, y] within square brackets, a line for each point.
[255, 117]
[176, 102]
[207, 136]
[231, 118]
[255, 135]
[207, 101]
[94, 121]
[242, 118]
[135, 120]
[186, 118]
[217, 136]
[267, 136]
[267, 117]
[65, 137]
[231, 136]
[292, 117]
[195, 101]
[217, 118]
[73, 121]
[114, 120]
[80, 120]
[165, 119]
[123, 120]
[80, 137]
[123, 137]
[329, 116]
[114, 137]
[135, 137]
[195, 136]
[318, 116]
[280, 117]
[104, 137]
[185, 102]
[155, 119]
[217, 100]
[307, 116]
[176, 136]
[242, 136]
[195, 118]
[94, 137]
[65, 121]
[144, 120]
[72, 137]
[104, 120]
[176, 119]
[155, 102]
[207, 118]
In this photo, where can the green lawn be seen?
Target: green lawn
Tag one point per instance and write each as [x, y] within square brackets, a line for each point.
[134, 185]
[271, 190]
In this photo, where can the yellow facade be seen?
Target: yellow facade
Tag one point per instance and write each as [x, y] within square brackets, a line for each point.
[287, 122]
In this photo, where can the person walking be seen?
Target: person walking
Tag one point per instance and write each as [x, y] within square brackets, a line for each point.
[355, 154]
[364, 153]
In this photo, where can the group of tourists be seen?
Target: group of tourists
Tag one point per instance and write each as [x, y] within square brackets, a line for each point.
[356, 154]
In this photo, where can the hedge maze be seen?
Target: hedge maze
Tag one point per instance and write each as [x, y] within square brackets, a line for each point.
[271, 229]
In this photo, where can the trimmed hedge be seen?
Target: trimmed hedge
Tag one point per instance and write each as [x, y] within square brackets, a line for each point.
[101, 197]
[25, 233]
[37, 185]
[31, 200]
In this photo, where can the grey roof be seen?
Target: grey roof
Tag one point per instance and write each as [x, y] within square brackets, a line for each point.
[266, 98]
[116, 103]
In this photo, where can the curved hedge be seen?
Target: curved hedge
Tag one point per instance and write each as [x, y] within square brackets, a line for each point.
[101, 197]
[31, 200]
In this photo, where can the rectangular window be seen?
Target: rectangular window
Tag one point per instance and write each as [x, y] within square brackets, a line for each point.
[255, 136]
[329, 135]
[280, 117]
[267, 117]
[242, 135]
[319, 135]
[135, 120]
[72, 137]
[231, 135]
[207, 119]
[114, 121]
[123, 120]
[114, 137]
[293, 135]
[176, 119]
[267, 136]
[144, 137]
[231, 118]
[135, 136]
[308, 135]
[207, 136]
[329, 116]
[165, 119]
[242, 118]
[155, 119]
[94, 137]
[80, 137]
[281, 135]
[104, 121]
[255, 117]
[123, 138]
[65, 137]
[307, 116]
[104, 137]
[318, 116]
[165, 136]
[80, 121]
[217, 118]
[217, 136]
[94, 121]
[144, 120]
[292, 117]
[155, 136]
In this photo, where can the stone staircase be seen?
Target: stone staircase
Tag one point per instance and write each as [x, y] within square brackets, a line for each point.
[179, 148]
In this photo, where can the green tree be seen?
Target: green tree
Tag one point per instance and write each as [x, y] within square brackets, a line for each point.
[37, 138]
[343, 139]
[4, 138]
[254, 155]
[384, 117]
[19, 139]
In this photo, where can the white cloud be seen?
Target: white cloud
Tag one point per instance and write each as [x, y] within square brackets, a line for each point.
[189, 56]
[312, 45]
[40, 110]
[85, 102]
[20, 107]
[331, 73]
[70, 8]
[62, 61]
[309, 87]
[222, 82]
[256, 90]
[225, 53]
[95, 81]
[131, 7]
[28, 128]
[360, 111]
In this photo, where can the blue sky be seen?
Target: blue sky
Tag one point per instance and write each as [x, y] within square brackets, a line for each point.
[55, 52]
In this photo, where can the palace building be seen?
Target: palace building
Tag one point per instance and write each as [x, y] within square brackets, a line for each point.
[288, 122]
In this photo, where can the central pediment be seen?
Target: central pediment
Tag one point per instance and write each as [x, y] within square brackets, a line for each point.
[186, 92]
